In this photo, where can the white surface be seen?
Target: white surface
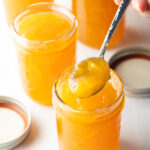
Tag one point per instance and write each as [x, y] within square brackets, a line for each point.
[135, 72]
[9, 118]
[135, 132]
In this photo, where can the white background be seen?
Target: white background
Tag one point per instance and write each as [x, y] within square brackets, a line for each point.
[135, 132]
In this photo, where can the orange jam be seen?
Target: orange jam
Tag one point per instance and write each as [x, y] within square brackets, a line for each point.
[91, 123]
[13, 7]
[94, 18]
[45, 36]
[89, 76]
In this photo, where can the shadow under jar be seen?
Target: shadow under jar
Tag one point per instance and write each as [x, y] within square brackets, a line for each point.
[91, 123]
[45, 37]
[94, 18]
[13, 7]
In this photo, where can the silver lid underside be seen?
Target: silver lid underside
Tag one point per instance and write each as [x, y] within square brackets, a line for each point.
[143, 92]
[13, 143]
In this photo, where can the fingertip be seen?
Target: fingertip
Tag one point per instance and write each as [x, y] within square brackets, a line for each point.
[140, 5]
[118, 2]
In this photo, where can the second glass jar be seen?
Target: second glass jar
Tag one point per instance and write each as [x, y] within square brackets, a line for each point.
[94, 18]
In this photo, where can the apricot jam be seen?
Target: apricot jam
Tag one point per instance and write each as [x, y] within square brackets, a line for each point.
[89, 77]
[94, 18]
[45, 36]
[91, 123]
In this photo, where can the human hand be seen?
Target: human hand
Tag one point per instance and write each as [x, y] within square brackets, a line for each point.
[142, 6]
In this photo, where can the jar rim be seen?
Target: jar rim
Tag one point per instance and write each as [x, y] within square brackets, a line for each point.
[50, 6]
[100, 111]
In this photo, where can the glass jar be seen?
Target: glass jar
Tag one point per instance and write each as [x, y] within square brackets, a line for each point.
[94, 18]
[40, 59]
[13, 7]
[89, 129]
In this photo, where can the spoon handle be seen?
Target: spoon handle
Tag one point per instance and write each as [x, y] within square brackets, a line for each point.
[118, 16]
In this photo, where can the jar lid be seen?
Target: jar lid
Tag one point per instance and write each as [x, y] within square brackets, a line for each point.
[133, 66]
[15, 122]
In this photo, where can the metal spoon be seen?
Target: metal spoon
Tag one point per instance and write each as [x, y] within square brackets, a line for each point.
[93, 68]
[118, 16]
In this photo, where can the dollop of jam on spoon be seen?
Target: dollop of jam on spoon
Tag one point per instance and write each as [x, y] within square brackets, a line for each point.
[89, 77]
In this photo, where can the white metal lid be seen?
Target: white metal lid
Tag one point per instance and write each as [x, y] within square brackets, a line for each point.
[134, 65]
[13, 109]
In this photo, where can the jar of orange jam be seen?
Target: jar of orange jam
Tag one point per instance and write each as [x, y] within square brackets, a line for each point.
[45, 37]
[94, 18]
[13, 7]
[91, 123]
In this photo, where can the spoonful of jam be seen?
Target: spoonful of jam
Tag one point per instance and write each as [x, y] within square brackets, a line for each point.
[90, 75]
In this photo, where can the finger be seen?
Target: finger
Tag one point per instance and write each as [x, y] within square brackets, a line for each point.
[147, 12]
[140, 5]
